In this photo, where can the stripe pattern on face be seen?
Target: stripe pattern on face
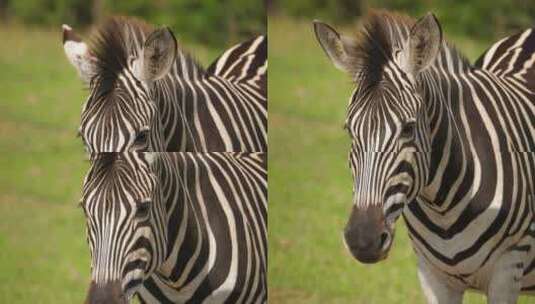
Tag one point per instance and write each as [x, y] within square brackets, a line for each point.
[120, 119]
[126, 231]
[463, 177]
[203, 237]
[222, 108]
[388, 156]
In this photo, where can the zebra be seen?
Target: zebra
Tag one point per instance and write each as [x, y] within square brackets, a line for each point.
[147, 94]
[178, 227]
[447, 145]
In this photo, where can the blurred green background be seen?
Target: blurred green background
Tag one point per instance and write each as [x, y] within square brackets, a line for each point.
[212, 22]
[309, 178]
[43, 253]
[480, 19]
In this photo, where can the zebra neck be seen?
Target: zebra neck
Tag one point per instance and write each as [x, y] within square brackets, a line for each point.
[200, 113]
[187, 238]
[187, 68]
[179, 97]
[445, 113]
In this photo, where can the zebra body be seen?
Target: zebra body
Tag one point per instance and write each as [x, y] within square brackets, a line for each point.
[147, 94]
[449, 146]
[478, 205]
[177, 227]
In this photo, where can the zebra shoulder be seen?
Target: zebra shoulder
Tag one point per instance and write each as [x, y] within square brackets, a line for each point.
[244, 62]
[512, 56]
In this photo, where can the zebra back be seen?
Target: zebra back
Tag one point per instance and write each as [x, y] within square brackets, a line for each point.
[512, 56]
[244, 62]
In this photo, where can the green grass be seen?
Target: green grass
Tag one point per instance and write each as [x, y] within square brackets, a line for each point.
[310, 183]
[43, 253]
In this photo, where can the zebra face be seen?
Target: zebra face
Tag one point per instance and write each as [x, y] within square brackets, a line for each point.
[126, 230]
[121, 66]
[389, 167]
[122, 119]
[387, 124]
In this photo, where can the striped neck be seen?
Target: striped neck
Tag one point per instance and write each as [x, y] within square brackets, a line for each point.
[184, 225]
[445, 109]
[186, 67]
[178, 96]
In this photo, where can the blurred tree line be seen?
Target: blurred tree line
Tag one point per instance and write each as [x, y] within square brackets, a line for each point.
[216, 22]
[481, 19]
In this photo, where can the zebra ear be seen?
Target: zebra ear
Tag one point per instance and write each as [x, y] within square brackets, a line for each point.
[334, 45]
[424, 44]
[157, 56]
[78, 54]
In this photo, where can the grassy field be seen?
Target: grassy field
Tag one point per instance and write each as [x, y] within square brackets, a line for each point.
[310, 183]
[43, 253]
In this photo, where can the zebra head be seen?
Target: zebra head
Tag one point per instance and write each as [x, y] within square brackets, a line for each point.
[120, 66]
[126, 227]
[386, 121]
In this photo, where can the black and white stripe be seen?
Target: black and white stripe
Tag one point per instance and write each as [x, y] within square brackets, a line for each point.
[448, 145]
[170, 103]
[177, 227]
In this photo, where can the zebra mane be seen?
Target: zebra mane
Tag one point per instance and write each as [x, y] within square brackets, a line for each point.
[118, 38]
[382, 33]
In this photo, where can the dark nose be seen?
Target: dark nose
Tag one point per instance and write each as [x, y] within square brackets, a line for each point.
[366, 235]
[106, 293]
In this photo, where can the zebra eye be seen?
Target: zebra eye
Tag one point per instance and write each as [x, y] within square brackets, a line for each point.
[142, 210]
[141, 138]
[408, 129]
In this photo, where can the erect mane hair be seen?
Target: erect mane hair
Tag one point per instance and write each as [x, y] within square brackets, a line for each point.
[381, 34]
[116, 39]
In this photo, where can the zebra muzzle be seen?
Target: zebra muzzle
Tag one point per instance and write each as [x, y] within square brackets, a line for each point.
[109, 293]
[366, 235]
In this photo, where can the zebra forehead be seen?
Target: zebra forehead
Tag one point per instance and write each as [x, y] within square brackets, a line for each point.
[379, 106]
[123, 174]
[124, 95]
